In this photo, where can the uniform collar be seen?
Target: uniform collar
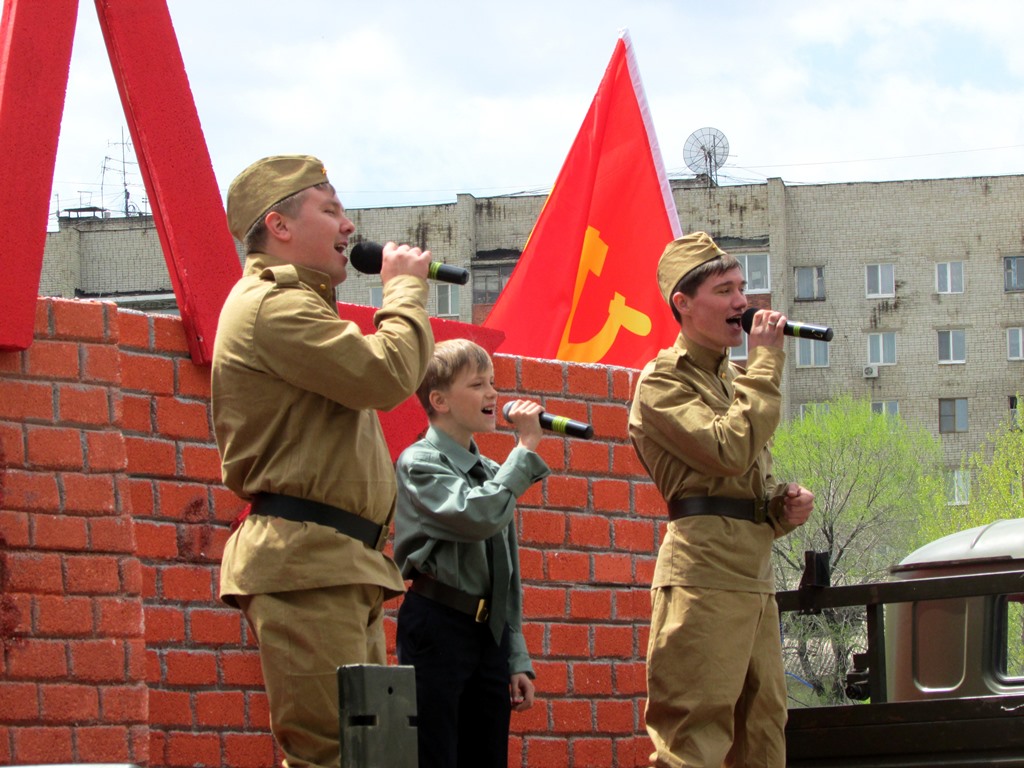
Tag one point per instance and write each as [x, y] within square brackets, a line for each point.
[713, 360]
[318, 281]
[462, 459]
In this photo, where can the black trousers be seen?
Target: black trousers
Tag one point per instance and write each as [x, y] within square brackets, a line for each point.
[462, 685]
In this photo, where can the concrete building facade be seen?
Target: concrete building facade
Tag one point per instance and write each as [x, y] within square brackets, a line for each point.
[922, 281]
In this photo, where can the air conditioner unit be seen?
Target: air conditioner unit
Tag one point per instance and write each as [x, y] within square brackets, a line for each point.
[870, 371]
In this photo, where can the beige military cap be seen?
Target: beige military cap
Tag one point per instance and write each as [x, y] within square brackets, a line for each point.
[267, 182]
[682, 255]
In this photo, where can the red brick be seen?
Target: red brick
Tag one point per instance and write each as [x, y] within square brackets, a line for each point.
[541, 375]
[59, 532]
[568, 641]
[14, 529]
[81, 320]
[43, 745]
[154, 672]
[590, 531]
[137, 413]
[140, 491]
[539, 527]
[125, 704]
[186, 583]
[38, 573]
[168, 334]
[54, 447]
[552, 677]
[635, 535]
[37, 659]
[648, 501]
[573, 409]
[193, 749]
[182, 420]
[182, 501]
[505, 378]
[201, 462]
[644, 567]
[631, 678]
[19, 702]
[248, 750]
[193, 380]
[571, 716]
[147, 456]
[131, 576]
[155, 541]
[92, 574]
[83, 404]
[112, 534]
[565, 566]
[586, 457]
[103, 743]
[610, 495]
[590, 603]
[63, 616]
[44, 307]
[594, 752]
[533, 720]
[566, 492]
[98, 660]
[613, 569]
[120, 616]
[52, 360]
[552, 450]
[133, 327]
[588, 380]
[623, 383]
[614, 642]
[616, 716]
[548, 752]
[69, 703]
[11, 362]
[149, 579]
[169, 707]
[241, 668]
[164, 625]
[632, 604]
[215, 627]
[12, 445]
[592, 679]
[88, 494]
[24, 400]
[496, 445]
[220, 708]
[259, 708]
[101, 364]
[105, 451]
[544, 602]
[226, 506]
[147, 373]
[610, 421]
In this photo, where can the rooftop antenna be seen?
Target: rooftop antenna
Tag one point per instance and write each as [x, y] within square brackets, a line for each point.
[705, 151]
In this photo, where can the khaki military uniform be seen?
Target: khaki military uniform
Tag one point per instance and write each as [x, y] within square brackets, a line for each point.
[294, 394]
[701, 427]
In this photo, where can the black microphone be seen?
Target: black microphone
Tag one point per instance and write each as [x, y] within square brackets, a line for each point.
[368, 257]
[558, 424]
[800, 330]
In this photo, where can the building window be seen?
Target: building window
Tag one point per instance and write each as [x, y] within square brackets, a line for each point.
[811, 353]
[811, 409]
[881, 280]
[447, 300]
[1015, 343]
[810, 283]
[958, 487]
[886, 407]
[376, 295]
[739, 352]
[949, 277]
[1014, 273]
[953, 415]
[755, 270]
[882, 348]
[1014, 413]
[488, 282]
[952, 346]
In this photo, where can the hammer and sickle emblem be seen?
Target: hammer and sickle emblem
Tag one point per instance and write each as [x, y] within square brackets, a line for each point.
[619, 314]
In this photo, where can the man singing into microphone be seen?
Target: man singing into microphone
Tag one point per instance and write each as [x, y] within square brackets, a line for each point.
[701, 427]
[294, 388]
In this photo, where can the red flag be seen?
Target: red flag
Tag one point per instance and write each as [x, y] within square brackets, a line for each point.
[585, 288]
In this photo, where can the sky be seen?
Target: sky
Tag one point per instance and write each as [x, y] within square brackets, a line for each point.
[411, 102]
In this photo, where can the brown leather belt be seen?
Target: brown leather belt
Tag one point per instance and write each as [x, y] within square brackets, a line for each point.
[305, 511]
[463, 602]
[756, 511]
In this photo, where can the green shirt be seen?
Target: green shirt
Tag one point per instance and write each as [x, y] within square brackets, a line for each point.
[444, 518]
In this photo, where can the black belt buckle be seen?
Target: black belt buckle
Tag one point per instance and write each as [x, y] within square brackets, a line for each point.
[483, 613]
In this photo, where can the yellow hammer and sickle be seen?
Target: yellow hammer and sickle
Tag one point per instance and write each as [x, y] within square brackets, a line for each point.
[619, 315]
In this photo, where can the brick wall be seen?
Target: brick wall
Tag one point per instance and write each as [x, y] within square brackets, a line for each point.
[112, 521]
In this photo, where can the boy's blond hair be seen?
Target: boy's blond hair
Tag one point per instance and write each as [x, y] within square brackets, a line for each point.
[450, 358]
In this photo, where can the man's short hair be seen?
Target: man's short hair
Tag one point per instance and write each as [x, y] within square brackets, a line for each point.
[267, 182]
[450, 358]
[255, 239]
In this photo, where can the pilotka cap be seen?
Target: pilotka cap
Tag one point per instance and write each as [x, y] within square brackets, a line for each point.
[267, 182]
[683, 255]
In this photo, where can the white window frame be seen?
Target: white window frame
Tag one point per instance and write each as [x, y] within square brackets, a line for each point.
[1013, 273]
[882, 348]
[756, 286]
[949, 277]
[885, 279]
[739, 352]
[960, 416]
[886, 407]
[376, 297]
[447, 294]
[948, 342]
[817, 276]
[958, 487]
[811, 353]
[1015, 343]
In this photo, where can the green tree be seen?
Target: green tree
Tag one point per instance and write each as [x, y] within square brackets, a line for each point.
[872, 476]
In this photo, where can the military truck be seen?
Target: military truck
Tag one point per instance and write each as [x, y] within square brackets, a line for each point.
[943, 673]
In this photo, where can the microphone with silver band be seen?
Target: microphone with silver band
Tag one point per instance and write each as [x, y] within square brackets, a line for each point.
[801, 330]
[368, 257]
[558, 424]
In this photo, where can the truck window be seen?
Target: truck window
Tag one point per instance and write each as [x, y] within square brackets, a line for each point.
[1011, 613]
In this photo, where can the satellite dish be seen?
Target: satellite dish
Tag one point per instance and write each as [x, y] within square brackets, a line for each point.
[705, 151]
